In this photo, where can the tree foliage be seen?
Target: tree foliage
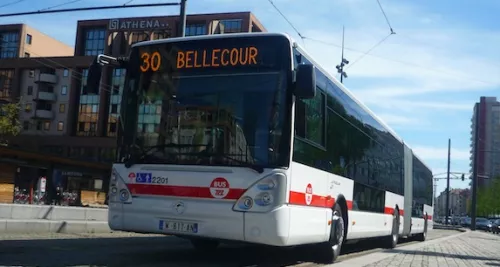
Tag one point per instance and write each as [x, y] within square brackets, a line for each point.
[488, 202]
[9, 121]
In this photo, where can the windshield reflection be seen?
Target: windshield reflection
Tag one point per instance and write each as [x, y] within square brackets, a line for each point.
[233, 120]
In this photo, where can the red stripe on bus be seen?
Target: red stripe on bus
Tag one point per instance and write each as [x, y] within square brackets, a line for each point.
[180, 191]
[388, 210]
[299, 198]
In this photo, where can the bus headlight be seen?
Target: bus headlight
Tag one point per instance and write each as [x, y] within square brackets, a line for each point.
[264, 195]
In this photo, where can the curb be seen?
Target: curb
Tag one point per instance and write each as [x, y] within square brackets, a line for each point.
[12, 226]
[378, 256]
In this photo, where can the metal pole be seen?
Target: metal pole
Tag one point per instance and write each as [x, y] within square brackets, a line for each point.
[342, 59]
[448, 185]
[475, 170]
[183, 19]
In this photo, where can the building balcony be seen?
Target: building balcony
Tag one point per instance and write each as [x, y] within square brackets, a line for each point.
[45, 96]
[43, 114]
[46, 78]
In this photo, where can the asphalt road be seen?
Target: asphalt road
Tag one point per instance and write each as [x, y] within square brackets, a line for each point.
[123, 249]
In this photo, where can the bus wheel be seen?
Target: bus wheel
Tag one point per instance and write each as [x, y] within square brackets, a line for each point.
[422, 236]
[393, 239]
[204, 244]
[331, 250]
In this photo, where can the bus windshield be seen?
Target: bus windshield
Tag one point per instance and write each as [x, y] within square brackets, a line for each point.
[225, 118]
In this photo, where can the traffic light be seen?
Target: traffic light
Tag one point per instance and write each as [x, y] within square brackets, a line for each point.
[463, 177]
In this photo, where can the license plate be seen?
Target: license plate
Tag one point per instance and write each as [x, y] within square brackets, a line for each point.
[179, 226]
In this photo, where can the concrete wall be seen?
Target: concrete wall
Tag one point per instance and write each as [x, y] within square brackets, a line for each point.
[55, 213]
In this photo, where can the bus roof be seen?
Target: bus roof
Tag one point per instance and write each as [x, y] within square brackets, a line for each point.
[303, 52]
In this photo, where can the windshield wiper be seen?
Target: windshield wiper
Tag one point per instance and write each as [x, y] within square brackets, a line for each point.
[134, 158]
[257, 168]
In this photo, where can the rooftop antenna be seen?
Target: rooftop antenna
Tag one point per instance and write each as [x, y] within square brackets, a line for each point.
[343, 61]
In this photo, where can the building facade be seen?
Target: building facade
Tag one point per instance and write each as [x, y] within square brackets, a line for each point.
[488, 141]
[60, 118]
[458, 202]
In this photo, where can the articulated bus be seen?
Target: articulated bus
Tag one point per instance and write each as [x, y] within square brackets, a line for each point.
[244, 137]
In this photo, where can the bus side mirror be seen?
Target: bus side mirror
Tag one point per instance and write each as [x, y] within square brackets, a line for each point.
[94, 77]
[305, 81]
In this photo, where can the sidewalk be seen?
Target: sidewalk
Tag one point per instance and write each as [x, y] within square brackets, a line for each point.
[465, 249]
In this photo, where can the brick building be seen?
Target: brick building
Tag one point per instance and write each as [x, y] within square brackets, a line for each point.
[61, 119]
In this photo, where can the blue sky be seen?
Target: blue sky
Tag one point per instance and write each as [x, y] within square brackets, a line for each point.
[423, 81]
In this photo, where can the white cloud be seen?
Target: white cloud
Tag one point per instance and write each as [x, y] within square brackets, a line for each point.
[428, 153]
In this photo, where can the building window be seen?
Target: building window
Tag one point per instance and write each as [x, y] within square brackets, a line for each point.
[231, 25]
[26, 125]
[62, 108]
[29, 38]
[117, 83]
[161, 35]
[139, 37]
[88, 111]
[196, 29]
[9, 44]
[29, 91]
[94, 41]
[46, 125]
[64, 90]
[28, 107]
[6, 76]
[65, 72]
[26, 54]
[60, 126]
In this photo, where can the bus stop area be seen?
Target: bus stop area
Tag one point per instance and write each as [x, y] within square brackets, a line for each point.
[24, 172]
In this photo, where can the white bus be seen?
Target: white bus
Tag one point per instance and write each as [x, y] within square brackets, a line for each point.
[244, 137]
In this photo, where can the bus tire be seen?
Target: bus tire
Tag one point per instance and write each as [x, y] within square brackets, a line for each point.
[392, 240]
[423, 236]
[331, 249]
[204, 244]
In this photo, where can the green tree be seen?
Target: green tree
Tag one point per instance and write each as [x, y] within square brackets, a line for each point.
[488, 202]
[9, 121]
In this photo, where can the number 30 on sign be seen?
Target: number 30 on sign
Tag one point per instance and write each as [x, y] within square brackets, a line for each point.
[150, 61]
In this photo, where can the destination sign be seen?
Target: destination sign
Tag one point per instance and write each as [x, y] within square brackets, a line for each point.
[196, 57]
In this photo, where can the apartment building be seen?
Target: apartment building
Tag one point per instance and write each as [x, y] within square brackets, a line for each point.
[21, 40]
[59, 118]
[488, 141]
[458, 202]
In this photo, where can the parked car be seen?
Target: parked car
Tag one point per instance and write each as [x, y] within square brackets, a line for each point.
[482, 224]
[495, 226]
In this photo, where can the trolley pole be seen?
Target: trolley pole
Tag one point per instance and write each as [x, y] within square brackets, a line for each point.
[183, 19]
[475, 171]
[448, 185]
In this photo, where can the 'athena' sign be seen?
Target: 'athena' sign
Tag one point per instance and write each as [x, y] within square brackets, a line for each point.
[141, 24]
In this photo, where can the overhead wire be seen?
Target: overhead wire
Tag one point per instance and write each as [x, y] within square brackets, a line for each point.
[392, 32]
[128, 2]
[59, 5]
[12, 3]
[426, 67]
[287, 20]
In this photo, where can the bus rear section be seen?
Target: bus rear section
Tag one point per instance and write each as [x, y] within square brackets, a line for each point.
[200, 201]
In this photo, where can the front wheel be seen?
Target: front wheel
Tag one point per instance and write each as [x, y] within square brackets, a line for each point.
[331, 249]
